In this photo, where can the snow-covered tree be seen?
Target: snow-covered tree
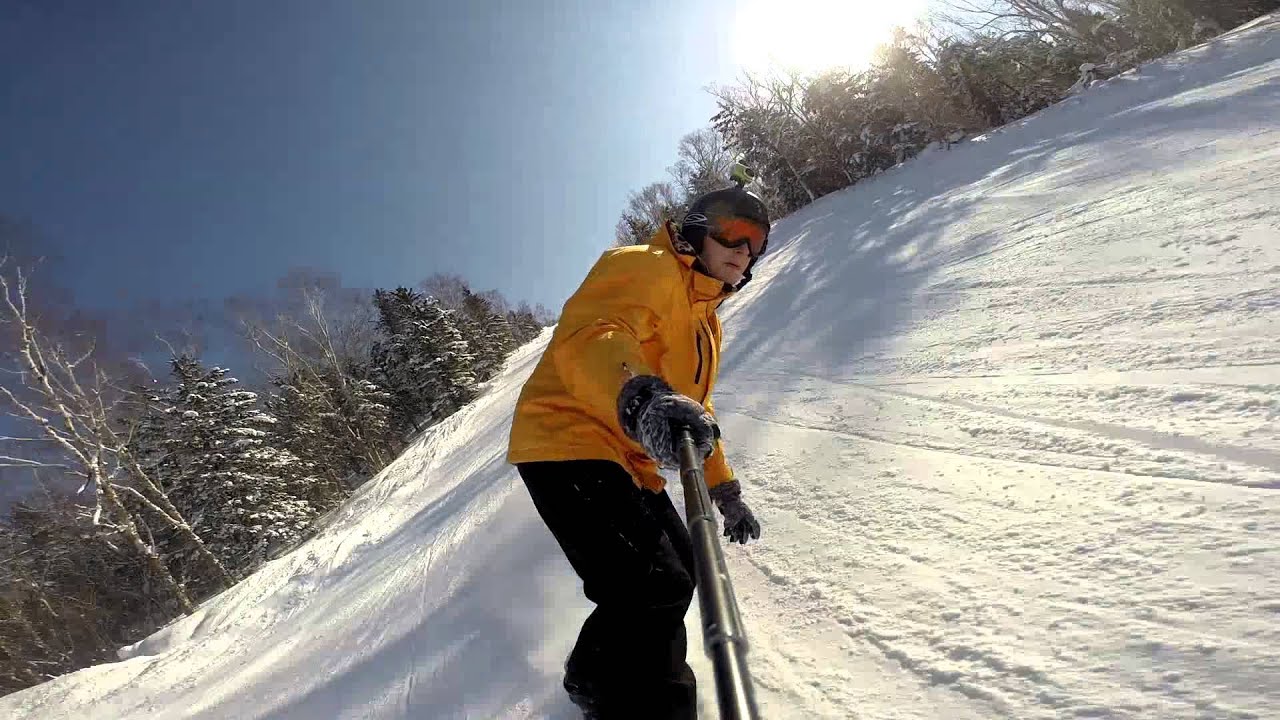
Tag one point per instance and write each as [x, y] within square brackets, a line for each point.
[367, 431]
[484, 320]
[339, 428]
[442, 359]
[241, 494]
[394, 356]
[1004, 79]
[423, 359]
[300, 409]
[489, 335]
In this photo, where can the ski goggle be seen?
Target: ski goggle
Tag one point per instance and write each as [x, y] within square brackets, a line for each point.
[733, 233]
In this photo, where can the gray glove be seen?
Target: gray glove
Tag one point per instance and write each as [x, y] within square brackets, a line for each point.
[652, 414]
[739, 522]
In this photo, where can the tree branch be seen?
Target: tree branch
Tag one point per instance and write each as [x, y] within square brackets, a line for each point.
[147, 502]
[10, 461]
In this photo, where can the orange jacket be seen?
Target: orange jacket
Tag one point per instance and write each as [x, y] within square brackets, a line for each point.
[642, 308]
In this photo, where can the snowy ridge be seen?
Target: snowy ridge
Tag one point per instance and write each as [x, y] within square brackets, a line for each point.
[1008, 414]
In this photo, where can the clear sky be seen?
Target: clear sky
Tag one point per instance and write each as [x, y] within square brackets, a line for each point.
[178, 150]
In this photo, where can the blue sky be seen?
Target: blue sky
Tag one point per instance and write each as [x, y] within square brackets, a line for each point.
[200, 150]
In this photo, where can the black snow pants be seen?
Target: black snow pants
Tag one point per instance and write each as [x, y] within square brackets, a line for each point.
[634, 555]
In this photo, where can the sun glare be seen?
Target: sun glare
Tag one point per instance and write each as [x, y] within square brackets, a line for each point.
[813, 35]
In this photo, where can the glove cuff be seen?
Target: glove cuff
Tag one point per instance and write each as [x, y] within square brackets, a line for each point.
[635, 396]
[725, 492]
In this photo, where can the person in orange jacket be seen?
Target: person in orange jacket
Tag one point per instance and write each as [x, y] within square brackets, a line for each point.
[633, 359]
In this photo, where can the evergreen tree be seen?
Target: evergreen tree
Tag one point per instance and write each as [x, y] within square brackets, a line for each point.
[364, 409]
[393, 356]
[242, 495]
[423, 361]
[300, 408]
[443, 360]
[339, 426]
[491, 337]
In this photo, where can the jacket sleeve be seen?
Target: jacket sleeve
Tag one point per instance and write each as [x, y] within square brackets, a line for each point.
[716, 469]
[617, 308]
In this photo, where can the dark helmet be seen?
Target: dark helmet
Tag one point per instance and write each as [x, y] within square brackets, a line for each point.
[734, 202]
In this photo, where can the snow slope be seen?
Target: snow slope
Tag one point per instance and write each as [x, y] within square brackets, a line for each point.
[1008, 414]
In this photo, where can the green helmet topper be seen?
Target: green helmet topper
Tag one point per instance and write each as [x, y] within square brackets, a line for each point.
[741, 174]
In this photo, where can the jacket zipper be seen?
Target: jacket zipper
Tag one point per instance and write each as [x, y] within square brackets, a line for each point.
[712, 361]
[697, 374]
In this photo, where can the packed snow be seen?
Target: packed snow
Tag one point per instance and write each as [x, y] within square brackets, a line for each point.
[1008, 414]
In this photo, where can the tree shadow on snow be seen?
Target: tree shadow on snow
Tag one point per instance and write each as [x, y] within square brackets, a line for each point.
[848, 277]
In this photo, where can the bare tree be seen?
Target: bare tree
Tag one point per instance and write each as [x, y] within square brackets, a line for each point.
[497, 301]
[56, 612]
[348, 316]
[544, 315]
[74, 405]
[450, 289]
[703, 163]
[1083, 22]
[320, 350]
[646, 211]
[1011, 16]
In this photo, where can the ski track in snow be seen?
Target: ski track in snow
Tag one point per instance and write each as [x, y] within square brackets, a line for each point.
[1007, 414]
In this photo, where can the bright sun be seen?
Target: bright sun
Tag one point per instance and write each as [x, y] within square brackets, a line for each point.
[816, 34]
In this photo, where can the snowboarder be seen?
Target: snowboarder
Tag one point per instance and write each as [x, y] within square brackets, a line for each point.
[635, 355]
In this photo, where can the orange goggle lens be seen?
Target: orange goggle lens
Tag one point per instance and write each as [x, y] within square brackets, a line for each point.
[736, 232]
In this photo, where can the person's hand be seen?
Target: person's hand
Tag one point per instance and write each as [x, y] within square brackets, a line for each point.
[652, 414]
[739, 522]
